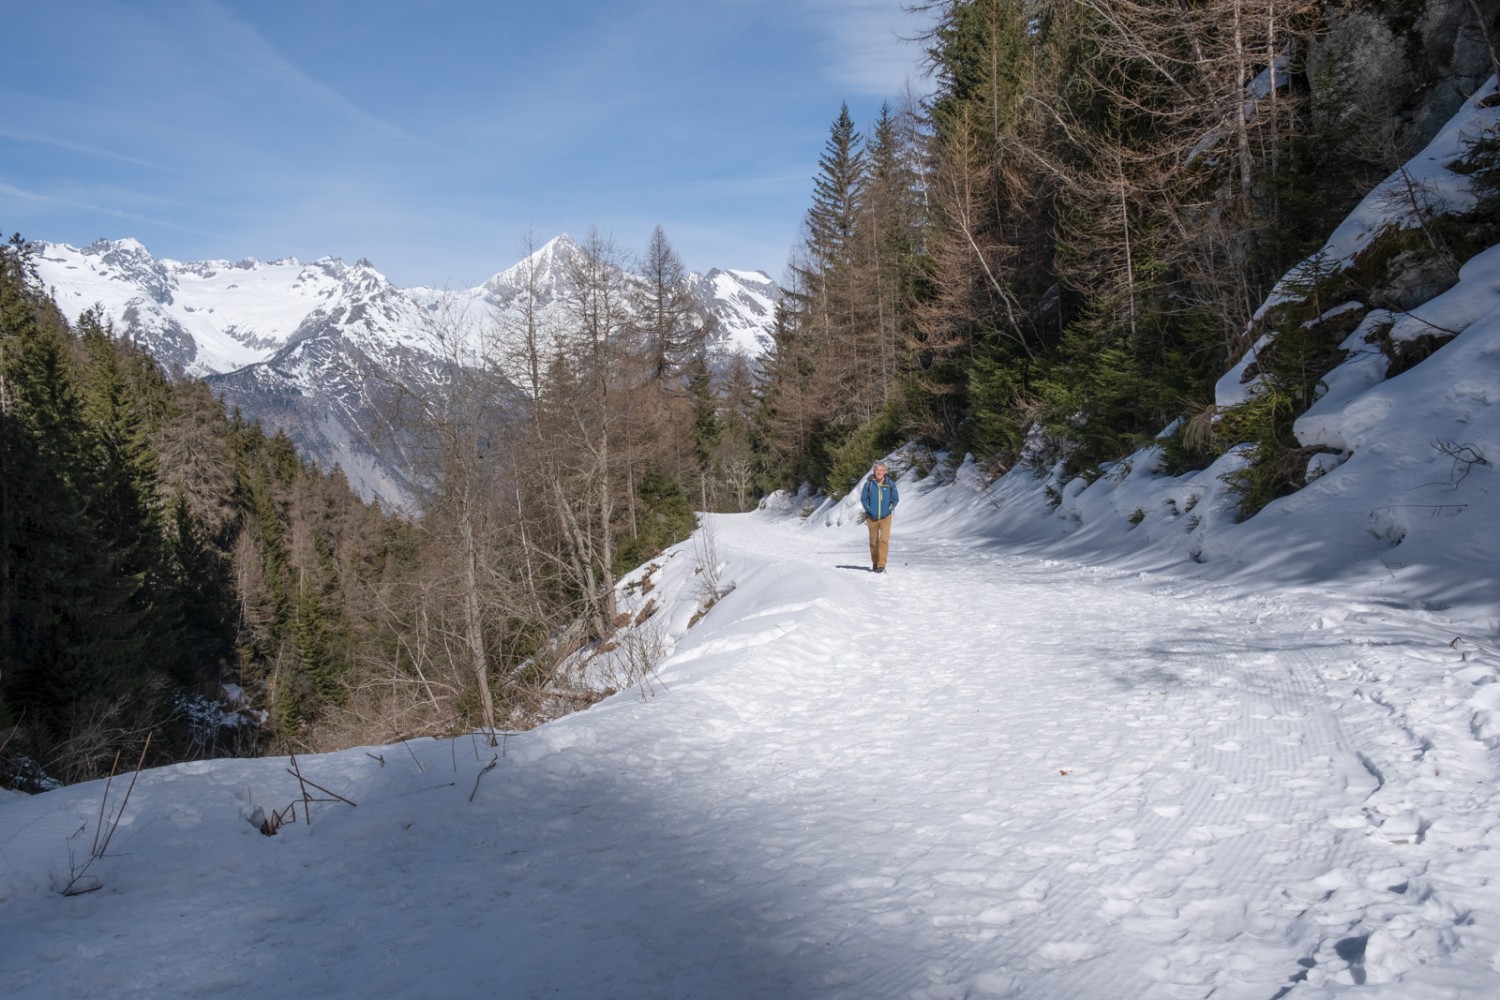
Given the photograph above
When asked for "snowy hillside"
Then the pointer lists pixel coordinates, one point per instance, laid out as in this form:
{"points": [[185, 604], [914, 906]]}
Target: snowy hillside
{"points": [[983, 774], [743, 305], [1402, 500], [207, 317]]}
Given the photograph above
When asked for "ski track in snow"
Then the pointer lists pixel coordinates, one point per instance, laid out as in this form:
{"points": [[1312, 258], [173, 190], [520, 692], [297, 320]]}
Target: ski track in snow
{"points": [[979, 775]]}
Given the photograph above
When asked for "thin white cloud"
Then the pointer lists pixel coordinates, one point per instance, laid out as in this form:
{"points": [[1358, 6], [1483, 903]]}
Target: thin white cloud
{"points": [[59, 201], [34, 138], [252, 46]]}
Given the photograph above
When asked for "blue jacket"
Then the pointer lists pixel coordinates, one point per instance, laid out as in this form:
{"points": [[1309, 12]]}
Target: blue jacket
{"points": [[879, 500]]}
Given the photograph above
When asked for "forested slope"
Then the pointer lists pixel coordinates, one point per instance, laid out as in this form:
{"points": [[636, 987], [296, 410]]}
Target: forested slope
{"points": [[1060, 251]]}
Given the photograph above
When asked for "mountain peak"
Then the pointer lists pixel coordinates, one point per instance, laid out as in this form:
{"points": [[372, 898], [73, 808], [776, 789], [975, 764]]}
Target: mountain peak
{"points": [[128, 244], [544, 268]]}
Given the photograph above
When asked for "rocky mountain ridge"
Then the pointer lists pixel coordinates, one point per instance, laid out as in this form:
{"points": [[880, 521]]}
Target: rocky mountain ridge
{"points": [[308, 347]]}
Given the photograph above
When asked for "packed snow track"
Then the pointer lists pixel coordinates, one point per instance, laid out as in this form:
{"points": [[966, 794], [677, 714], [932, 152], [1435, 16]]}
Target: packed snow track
{"points": [[980, 774]]}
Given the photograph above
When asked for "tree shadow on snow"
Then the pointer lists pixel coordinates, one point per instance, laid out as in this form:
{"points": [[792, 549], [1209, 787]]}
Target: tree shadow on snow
{"points": [[578, 877]]}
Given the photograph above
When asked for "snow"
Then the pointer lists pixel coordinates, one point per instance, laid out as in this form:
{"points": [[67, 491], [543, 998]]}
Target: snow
{"points": [[748, 277], [237, 314], [744, 303], [991, 772]]}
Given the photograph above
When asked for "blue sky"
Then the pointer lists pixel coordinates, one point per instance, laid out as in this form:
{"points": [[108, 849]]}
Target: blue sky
{"points": [[431, 136]]}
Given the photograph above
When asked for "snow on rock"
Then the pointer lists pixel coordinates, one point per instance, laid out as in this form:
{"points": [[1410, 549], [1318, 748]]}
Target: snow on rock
{"points": [[1400, 495], [1424, 184]]}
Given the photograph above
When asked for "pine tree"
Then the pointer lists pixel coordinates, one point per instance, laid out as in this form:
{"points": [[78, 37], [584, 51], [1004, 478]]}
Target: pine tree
{"points": [[734, 457], [892, 239], [981, 322], [789, 416], [707, 430], [836, 351], [834, 214]]}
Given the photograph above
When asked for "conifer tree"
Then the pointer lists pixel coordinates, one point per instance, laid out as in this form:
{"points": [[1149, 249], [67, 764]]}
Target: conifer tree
{"points": [[734, 457], [790, 417], [73, 648], [892, 238], [833, 353], [834, 214], [124, 495], [672, 331]]}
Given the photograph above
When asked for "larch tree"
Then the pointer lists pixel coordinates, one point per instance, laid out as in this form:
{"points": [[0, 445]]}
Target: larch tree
{"points": [[461, 424], [589, 389]]}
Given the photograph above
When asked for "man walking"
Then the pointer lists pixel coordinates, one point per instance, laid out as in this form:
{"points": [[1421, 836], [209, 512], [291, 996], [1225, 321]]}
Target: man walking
{"points": [[879, 499]]}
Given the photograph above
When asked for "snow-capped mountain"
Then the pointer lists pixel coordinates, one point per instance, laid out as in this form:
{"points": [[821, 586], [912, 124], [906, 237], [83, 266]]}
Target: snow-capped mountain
{"points": [[744, 305], [309, 348]]}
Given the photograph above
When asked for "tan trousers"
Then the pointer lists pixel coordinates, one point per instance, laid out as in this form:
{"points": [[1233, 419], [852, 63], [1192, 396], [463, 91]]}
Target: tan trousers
{"points": [[880, 540]]}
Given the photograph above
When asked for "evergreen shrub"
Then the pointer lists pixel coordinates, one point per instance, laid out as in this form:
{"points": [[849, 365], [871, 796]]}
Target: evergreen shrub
{"points": [[664, 517], [851, 459]]}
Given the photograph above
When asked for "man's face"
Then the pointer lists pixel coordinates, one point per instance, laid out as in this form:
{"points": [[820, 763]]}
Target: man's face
{"points": [[879, 473]]}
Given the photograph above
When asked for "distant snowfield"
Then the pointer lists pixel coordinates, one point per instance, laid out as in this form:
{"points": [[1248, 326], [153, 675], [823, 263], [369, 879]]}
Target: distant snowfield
{"points": [[984, 774]]}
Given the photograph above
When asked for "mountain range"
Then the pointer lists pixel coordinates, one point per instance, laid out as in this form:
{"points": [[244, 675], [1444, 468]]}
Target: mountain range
{"points": [[309, 347]]}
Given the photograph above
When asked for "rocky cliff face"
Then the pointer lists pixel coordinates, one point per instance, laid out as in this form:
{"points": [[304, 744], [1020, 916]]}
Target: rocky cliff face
{"points": [[1399, 71]]}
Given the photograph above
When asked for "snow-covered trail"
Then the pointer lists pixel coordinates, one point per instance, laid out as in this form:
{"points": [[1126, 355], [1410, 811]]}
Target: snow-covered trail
{"points": [[1080, 786], [978, 775]]}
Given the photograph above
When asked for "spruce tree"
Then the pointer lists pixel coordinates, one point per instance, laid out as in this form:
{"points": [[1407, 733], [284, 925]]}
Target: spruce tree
{"points": [[122, 499], [834, 214]]}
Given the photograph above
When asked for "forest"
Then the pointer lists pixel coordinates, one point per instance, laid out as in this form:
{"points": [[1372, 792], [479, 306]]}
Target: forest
{"points": [[1046, 261]]}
